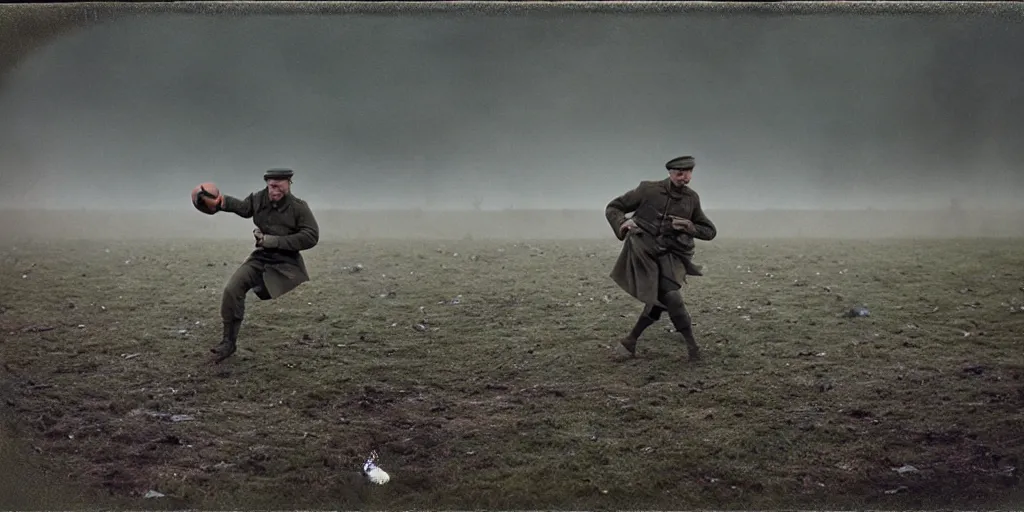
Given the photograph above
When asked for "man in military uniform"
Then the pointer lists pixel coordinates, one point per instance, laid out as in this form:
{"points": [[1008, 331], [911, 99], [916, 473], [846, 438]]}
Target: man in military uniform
{"points": [[285, 225], [658, 246]]}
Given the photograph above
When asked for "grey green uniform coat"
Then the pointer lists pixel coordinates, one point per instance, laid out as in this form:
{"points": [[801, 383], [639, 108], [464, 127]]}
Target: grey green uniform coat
{"points": [[288, 227], [654, 257]]}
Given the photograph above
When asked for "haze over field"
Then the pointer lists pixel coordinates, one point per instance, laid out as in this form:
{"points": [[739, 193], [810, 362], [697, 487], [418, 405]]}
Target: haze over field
{"points": [[533, 111], [458, 165]]}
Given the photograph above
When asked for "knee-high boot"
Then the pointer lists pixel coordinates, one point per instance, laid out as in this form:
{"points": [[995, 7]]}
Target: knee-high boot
{"points": [[650, 315], [683, 324], [228, 344]]}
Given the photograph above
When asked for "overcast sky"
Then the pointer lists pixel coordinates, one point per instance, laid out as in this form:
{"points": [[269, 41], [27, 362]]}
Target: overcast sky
{"points": [[526, 111]]}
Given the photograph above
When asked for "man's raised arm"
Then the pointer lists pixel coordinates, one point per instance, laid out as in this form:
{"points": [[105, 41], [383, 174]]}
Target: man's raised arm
{"points": [[242, 207]]}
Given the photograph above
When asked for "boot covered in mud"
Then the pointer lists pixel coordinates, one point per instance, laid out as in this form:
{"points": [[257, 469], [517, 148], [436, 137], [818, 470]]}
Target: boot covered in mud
{"points": [[228, 344], [629, 341], [685, 327], [692, 349]]}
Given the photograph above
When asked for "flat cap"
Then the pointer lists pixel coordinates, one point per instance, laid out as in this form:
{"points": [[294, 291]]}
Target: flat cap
{"points": [[681, 163], [278, 174]]}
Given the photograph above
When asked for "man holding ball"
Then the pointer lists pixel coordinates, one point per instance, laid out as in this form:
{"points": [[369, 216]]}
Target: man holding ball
{"points": [[285, 225]]}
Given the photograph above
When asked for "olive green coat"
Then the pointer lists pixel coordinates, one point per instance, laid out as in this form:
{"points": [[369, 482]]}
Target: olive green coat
{"points": [[656, 251], [288, 227]]}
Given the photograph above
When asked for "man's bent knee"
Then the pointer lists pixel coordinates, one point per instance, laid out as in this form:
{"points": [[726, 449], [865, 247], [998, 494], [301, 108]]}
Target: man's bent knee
{"points": [[233, 297], [673, 301], [232, 304]]}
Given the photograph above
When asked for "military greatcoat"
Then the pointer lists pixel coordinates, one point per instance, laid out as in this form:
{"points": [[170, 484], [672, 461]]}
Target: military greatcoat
{"points": [[656, 256], [288, 227]]}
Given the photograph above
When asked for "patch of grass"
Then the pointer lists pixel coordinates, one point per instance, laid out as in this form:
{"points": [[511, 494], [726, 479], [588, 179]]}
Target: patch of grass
{"points": [[485, 374]]}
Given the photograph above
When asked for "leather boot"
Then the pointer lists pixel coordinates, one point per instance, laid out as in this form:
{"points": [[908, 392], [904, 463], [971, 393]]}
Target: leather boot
{"points": [[227, 345], [684, 326], [629, 341]]}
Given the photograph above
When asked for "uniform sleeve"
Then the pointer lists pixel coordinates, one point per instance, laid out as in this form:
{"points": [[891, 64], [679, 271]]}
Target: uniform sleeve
{"points": [[306, 237], [706, 229], [242, 207], [617, 209]]}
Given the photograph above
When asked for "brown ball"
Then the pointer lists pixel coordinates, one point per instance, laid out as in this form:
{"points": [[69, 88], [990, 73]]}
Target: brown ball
{"points": [[205, 198]]}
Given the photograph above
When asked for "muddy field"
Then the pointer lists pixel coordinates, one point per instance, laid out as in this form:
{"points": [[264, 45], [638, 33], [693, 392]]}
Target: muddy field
{"points": [[485, 375]]}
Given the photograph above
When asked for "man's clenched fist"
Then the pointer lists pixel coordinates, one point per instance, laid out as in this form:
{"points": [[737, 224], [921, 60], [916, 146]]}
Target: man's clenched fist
{"points": [[684, 225], [259, 237], [627, 226]]}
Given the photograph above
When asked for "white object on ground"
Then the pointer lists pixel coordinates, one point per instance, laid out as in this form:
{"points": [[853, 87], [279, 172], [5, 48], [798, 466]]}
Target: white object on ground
{"points": [[373, 472]]}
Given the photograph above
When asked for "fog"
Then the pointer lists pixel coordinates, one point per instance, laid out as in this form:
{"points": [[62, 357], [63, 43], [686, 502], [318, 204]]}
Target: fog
{"points": [[449, 111]]}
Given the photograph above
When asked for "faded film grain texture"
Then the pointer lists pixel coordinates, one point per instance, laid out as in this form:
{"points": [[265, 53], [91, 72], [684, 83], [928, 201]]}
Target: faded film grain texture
{"points": [[859, 312]]}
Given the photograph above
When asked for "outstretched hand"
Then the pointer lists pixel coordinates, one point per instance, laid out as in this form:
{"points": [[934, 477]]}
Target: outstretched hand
{"points": [[203, 194]]}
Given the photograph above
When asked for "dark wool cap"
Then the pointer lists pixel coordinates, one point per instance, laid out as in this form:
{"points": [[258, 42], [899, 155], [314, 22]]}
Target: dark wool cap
{"points": [[681, 163], [278, 174]]}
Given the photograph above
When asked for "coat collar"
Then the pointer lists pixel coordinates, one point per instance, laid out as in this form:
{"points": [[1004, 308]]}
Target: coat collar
{"points": [[672, 190]]}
